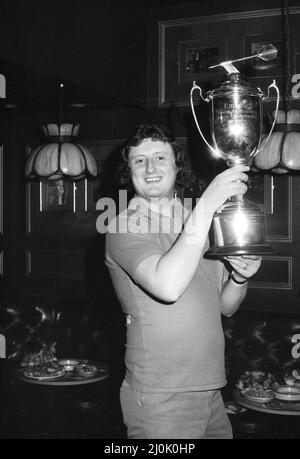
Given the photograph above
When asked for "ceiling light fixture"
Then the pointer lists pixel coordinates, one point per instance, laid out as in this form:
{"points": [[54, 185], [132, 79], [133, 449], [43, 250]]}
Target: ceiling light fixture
{"points": [[61, 155]]}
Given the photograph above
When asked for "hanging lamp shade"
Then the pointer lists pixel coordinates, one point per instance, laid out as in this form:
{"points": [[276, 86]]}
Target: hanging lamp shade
{"points": [[61, 155], [282, 152]]}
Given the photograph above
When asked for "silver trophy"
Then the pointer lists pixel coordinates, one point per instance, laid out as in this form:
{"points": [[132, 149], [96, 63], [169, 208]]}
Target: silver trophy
{"points": [[236, 121]]}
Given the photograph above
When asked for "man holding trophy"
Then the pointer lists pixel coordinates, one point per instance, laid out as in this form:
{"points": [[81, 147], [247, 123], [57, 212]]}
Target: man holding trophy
{"points": [[172, 295], [172, 286]]}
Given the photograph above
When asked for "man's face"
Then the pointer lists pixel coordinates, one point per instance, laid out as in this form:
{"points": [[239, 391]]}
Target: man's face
{"points": [[153, 169]]}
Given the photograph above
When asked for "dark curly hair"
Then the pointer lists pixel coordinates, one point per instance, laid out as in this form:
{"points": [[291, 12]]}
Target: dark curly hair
{"points": [[156, 133]]}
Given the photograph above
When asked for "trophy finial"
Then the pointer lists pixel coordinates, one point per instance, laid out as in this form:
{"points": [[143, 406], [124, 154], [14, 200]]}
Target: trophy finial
{"points": [[229, 67]]}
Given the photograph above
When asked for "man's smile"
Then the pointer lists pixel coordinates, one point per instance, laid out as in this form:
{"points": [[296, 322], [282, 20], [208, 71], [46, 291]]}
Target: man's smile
{"points": [[152, 179]]}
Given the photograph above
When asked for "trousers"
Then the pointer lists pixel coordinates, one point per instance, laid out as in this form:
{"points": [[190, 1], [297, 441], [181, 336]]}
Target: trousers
{"points": [[180, 415]]}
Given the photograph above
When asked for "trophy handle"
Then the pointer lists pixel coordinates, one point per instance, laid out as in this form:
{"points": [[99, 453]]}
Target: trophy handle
{"points": [[194, 87], [273, 85]]}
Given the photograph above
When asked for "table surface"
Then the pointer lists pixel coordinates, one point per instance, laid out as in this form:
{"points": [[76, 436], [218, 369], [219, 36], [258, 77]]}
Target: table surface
{"points": [[70, 378], [82, 410], [274, 407]]}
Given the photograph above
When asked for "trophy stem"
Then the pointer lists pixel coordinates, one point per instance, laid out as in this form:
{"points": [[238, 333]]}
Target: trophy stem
{"points": [[239, 198], [240, 162]]}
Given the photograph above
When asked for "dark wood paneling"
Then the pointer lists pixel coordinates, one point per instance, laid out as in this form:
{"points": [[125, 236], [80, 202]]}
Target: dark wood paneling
{"points": [[55, 264], [275, 273]]}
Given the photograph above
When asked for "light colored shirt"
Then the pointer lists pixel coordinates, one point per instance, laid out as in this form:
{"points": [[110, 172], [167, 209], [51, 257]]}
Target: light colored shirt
{"points": [[171, 347]]}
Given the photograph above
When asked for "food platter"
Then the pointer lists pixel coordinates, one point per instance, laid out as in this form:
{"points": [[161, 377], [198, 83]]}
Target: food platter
{"points": [[64, 372], [43, 375], [275, 406], [288, 393]]}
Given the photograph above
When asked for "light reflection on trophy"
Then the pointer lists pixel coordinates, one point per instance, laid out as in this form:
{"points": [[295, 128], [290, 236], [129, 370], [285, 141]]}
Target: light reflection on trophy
{"points": [[236, 121]]}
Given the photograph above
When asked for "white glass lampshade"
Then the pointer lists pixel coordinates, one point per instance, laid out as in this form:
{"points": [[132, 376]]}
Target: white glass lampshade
{"points": [[282, 152], [61, 155]]}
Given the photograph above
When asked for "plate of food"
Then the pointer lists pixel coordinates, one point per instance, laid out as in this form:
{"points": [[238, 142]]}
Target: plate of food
{"points": [[46, 371], [86, 369], [288, 393], [257, 386], [256, 380], [41, 365]]}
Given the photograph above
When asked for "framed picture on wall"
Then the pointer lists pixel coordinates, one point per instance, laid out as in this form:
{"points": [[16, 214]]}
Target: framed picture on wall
{"points": [[263, 72], [189, 46], [196, 57], [58, 195]]}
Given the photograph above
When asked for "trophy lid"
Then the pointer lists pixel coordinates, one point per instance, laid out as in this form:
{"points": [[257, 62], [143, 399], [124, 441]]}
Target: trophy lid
{"points": [[235, 82]]}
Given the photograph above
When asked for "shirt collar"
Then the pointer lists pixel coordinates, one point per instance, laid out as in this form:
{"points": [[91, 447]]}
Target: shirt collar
{"points": [[171, 209]]}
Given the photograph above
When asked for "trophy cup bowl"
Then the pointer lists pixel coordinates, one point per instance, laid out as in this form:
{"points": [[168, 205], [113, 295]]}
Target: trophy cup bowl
{"points": [[236, 120]]}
